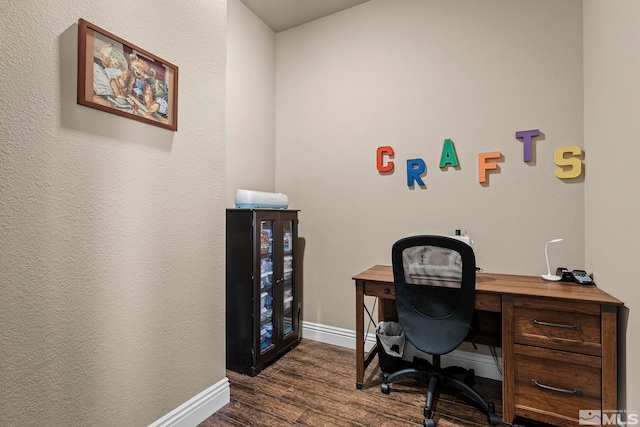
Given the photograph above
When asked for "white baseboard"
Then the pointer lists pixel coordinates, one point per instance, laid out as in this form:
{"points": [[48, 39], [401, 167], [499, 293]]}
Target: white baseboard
{"points": [[483, 364], [336, 336], [198, 408]]}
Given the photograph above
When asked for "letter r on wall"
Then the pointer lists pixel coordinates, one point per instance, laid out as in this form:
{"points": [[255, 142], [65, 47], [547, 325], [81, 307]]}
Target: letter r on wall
{"points": [[415, 167]]}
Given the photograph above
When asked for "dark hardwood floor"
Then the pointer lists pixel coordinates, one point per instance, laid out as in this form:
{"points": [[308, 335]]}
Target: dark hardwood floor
{"points": [[314, 385]]}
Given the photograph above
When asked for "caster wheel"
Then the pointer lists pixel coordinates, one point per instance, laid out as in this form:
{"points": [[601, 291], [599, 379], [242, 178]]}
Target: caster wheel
{"points": [[385, 388], [493, 419], [428, 422]]}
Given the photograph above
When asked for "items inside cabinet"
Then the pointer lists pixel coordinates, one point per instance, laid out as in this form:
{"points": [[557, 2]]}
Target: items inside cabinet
{"points": [[266, 285]]}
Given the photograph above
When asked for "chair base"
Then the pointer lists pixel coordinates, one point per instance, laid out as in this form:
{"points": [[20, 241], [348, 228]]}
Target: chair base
{"points": [[445, 377]]}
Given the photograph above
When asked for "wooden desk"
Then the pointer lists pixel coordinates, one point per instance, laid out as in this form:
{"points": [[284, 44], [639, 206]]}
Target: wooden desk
{"points": [[554, 334]]}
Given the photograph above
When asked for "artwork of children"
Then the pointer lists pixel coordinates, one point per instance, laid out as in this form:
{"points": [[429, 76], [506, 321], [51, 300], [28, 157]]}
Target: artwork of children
{"points": [[120, 78]]}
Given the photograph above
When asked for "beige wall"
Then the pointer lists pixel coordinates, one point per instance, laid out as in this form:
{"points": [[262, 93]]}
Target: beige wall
{"points": [[612, 132], [411, 74], [111, 237], [251, 97], [111, 230]]}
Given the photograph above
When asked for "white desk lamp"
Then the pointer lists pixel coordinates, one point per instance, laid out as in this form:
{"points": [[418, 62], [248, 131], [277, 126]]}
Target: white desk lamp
{"points": [[549, 276]]}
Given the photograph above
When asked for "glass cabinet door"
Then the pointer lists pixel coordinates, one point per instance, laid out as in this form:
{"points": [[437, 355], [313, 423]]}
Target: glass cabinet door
{"points": [[288, 285], [266, 286]]}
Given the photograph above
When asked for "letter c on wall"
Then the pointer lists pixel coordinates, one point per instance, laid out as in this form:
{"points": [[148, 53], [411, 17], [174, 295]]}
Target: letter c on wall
{"points": [[380, 153]]}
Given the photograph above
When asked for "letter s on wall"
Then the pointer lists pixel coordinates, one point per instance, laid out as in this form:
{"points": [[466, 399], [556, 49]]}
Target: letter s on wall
{"points": [[570, 167]]}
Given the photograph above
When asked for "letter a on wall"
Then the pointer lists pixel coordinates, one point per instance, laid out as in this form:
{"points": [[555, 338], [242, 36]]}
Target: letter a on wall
{"points": [[448, 156]]}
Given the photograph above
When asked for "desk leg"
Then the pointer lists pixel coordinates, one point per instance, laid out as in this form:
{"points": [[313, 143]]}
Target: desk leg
{"points": [[609, 358], [508, 381], [382, 309], [359, 333]]}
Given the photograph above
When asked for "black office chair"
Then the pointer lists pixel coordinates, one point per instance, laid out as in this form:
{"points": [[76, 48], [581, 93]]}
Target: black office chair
{"points": [[435, 279]]}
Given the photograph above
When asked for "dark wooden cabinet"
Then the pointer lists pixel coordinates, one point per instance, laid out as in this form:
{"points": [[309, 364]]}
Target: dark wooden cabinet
{"points": [[263, 291]]}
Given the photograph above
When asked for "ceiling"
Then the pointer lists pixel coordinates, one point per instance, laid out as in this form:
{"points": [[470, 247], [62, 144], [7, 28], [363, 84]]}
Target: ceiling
{"points": [[281, 15]]}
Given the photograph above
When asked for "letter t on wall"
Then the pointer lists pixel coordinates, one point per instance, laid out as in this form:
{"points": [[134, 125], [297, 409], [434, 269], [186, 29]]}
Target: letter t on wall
{"points": [[526, 139]]}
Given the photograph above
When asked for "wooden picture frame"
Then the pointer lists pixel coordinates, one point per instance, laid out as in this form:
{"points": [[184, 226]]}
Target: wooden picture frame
{"points": [[120, 78]]}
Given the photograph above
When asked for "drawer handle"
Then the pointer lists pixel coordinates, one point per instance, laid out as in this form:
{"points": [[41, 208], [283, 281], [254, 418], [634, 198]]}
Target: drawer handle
{"points": [[575, 391], [555, 325]]}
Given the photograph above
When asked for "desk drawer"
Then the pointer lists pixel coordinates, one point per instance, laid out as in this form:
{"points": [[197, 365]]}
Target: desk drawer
{"points": [[556, 384], [380, 290], [567, 326]]}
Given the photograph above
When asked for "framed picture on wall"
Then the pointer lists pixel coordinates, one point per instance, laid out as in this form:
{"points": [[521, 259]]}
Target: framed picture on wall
{"points": [[120, 78]]}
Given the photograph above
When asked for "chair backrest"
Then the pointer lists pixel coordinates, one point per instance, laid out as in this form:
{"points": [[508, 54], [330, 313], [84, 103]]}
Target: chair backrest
{"points": [[434, 278]]}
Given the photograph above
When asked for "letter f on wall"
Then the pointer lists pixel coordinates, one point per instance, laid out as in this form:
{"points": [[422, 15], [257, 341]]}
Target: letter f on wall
{"points": [[484, 166]]}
